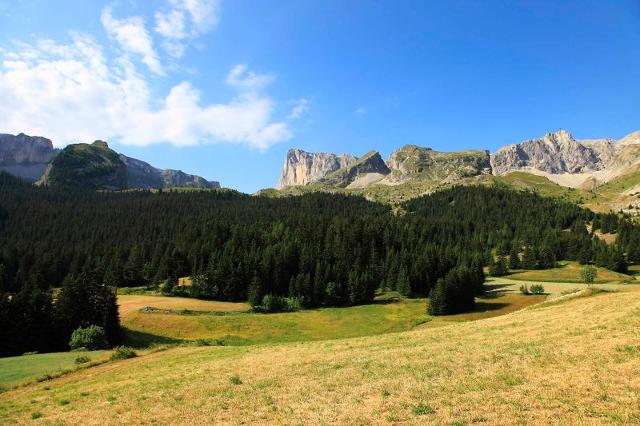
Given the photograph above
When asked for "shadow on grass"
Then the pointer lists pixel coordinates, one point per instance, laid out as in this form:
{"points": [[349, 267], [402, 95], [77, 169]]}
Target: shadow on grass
{"points": [[140, 340], [482, 306]]}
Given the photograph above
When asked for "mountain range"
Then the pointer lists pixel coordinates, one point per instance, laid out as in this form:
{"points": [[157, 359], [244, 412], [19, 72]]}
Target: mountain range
{"points": [[93, 166], [596, 171]]}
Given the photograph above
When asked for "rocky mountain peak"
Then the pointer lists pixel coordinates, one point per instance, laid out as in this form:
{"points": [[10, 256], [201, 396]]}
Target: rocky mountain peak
{"points": [[302, 167]]}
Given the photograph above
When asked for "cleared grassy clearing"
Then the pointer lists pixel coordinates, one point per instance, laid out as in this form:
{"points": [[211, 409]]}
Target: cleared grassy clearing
{"points": [[571, 363], [568, 272], [19, 369], [555, 289], [130, 304], [390, 314], [251, 328]]}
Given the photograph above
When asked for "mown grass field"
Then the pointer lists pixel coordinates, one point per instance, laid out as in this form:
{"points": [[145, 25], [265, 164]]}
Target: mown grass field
{"points": [[19, 369], [575, 362], [569, 272], [220, 322]]}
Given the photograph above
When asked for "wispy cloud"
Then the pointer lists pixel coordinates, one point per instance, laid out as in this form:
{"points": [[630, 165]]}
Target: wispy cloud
{"points": [[181, 20], [300, 108], [133, 38]]}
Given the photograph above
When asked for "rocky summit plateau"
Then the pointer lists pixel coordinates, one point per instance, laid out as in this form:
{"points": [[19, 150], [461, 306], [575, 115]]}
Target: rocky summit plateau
{"points": [[94, 166]]}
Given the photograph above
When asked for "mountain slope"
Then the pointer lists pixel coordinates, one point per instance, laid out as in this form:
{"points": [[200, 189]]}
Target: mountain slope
{"points": [[144, 176], [541, 365], [364, 171]]}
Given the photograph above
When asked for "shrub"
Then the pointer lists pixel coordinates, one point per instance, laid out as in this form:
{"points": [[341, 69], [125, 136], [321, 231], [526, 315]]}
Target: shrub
{"points": [[82, 359], [537, 289], [524, 289], [235, 380], [92, 338], [273, 303], [36, 415], [123, 352]]}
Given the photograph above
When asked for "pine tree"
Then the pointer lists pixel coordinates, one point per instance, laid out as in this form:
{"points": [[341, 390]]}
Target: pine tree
{"points": [[514, 257], [402, 282]]}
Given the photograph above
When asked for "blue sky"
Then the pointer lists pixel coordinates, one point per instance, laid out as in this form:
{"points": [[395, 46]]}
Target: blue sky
{"points": [[223, 88]]}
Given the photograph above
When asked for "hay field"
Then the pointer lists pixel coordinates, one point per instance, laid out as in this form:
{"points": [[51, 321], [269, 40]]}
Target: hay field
{"points": [[577, 361]]}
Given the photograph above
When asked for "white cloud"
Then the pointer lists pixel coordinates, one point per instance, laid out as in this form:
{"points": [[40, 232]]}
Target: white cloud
{"points": [[133, 37], [72, 93], [300, 107], [185, 19], [360, 111], [248, 81]]}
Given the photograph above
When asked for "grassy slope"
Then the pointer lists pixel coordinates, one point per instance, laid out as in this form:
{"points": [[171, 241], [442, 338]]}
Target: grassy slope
{"points": [[244, 328], [18, 369], [569, 272], [572, 362]]}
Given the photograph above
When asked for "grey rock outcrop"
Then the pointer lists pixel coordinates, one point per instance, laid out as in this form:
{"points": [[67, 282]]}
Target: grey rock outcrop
{"points": [[143, 175], [25, 156], [302, 167], [554, 153], [369, 164]]}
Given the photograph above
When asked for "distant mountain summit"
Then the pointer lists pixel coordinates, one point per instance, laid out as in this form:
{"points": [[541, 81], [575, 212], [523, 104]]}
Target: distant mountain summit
{"points": [[95, 165], [557, 159], [570, 162]]}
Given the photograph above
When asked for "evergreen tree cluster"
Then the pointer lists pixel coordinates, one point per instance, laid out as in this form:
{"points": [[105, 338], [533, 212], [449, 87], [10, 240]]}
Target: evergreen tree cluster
{"points": [[318, 249]]}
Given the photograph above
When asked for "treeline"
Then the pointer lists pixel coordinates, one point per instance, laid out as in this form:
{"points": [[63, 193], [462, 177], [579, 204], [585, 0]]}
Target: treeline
{"points": [[319, 249], [33, 319]]}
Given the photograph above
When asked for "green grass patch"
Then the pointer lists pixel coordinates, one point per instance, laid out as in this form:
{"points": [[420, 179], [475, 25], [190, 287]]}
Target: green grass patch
{"points": [[569, 272], [20, 369], [389, 314]]}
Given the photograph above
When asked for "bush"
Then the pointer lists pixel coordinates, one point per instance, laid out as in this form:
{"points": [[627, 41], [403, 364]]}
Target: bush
{"points": [[524, 289], [91, 338], [122, 352], [235, 380], [82, 359], [272, 303], [537, 289]]}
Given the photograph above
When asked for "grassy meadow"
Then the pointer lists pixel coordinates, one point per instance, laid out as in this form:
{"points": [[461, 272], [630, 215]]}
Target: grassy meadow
{"points": [[17, 370], [574, 362], [568, 272]]}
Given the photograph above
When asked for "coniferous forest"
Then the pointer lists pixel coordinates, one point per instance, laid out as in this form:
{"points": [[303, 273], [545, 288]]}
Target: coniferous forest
{"points": [[64, 252]]}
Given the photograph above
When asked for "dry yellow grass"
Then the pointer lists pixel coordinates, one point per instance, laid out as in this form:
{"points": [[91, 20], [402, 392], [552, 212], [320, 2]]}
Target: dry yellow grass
{"points": [[569, 272], [130, 304], [575, 362]]}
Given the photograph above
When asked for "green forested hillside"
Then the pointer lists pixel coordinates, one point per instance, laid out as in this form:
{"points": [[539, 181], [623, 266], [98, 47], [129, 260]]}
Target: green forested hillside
{"points": [[316, 250]]}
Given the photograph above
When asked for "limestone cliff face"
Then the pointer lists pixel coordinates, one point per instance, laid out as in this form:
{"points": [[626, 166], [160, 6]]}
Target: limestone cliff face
{"points": [[554, 153], [25, 156], [570, 162], [301, 167]]}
